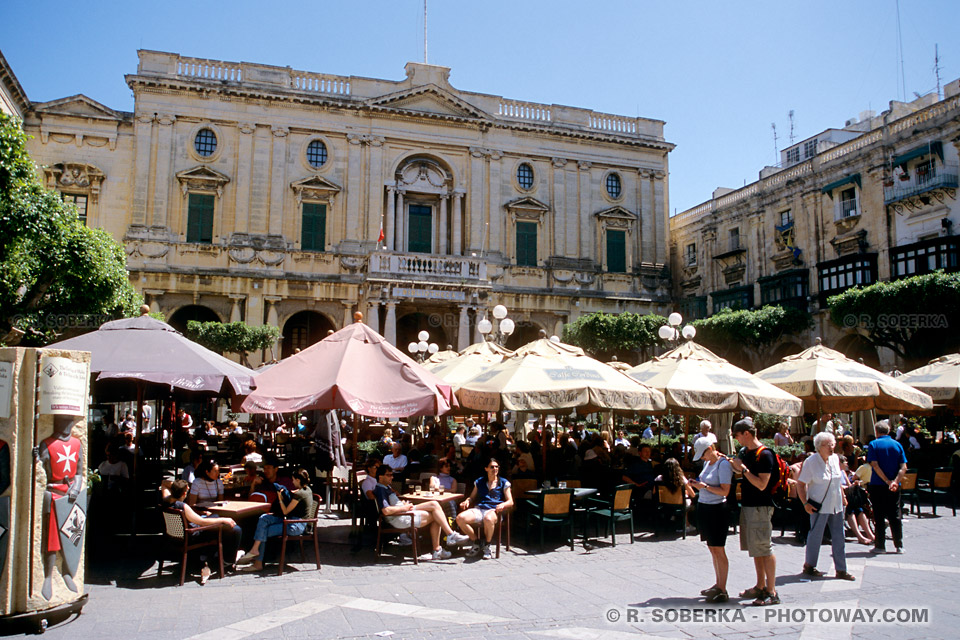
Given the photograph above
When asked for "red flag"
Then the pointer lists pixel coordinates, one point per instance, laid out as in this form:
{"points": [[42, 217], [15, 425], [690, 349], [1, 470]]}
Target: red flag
{"points": [[381, 236]]}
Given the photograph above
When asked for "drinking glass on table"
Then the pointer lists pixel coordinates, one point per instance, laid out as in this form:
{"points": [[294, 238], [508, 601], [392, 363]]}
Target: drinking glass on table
{"points": [[562, 484]]}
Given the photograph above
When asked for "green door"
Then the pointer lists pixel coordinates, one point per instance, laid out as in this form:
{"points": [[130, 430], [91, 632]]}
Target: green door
{"points": [[616, 251], [419, 235]]}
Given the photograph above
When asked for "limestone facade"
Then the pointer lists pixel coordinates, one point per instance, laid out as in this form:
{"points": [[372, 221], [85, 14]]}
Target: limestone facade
{"points": [[875, 200], [250, 192], [13, 100]]}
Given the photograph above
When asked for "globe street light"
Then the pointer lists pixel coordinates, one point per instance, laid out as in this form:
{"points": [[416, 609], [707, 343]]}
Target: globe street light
{"points": [[421, 348], [670, 332], [505, 326]]}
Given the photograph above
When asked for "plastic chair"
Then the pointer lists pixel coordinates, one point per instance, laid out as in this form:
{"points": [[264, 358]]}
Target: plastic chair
{"points": [[310, 533], [177, 533]]}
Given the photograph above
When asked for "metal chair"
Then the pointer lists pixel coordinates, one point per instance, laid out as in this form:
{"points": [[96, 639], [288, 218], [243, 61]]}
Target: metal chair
{"points": [[671, 503], [908, 490], [310, 533], [177, 534], [383, 527], [554, 508], [940, 486], [615, 509]]}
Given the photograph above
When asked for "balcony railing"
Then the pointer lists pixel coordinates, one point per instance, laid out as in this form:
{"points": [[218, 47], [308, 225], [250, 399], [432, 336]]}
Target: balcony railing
{"points": [[416, 265], [944, 177]]}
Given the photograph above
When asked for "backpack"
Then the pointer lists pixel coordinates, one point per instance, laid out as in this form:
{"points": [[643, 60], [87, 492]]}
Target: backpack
{"points": [[779, 490]]}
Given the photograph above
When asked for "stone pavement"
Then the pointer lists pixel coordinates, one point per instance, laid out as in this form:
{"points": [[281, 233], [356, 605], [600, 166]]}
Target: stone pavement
{"points": [[636, 590]]}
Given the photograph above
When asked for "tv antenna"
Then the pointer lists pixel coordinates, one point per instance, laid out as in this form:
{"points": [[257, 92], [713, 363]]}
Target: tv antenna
{"points": [[792, 136], [903, 83], [776, 152], [424, 31], [936, 66]]}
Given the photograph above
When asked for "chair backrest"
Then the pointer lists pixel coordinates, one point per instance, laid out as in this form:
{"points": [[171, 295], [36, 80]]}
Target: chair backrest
{"points": [[573, 484], [466, 450], [521, 486], [669, 497], [909, 480], [557, 502], [942, 478], [621, 497], [256, 496], [173, 523]]}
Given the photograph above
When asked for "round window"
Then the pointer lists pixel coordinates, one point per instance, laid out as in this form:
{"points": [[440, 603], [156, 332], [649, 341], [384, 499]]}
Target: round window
{"points": [[316, 154], [613, 185], [205, 143], [525, 176]]}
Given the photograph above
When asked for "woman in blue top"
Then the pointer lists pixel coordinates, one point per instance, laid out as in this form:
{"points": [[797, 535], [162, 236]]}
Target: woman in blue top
{"points": [[490, 496], [714, 485]]}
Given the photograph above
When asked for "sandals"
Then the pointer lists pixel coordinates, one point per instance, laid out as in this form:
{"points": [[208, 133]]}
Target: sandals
{"points": [[718, 597], [754, 592], [768, 600], [712, 591], [810, 570]]}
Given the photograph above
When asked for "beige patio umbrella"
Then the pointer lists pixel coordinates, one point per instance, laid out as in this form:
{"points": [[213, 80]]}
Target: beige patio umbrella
{"points": [[940, 379], [619, 366], [441, 356], [829, 381], [546, 376], [468, 363]]}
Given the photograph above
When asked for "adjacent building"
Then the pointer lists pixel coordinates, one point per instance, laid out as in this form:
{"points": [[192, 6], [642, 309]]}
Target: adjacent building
{"points": [[872, 201], [251, 192]]}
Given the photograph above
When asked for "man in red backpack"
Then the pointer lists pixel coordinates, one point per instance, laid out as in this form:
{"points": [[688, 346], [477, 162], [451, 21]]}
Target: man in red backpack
{"points": [[760, 474]]}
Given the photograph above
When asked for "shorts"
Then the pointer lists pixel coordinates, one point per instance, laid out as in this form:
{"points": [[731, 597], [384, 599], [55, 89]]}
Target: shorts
{"points": [[712, 523], [475, 515], [403, 521], [756, 531]]}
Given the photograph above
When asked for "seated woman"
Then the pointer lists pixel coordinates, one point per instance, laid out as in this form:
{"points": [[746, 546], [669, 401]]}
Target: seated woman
{"points": [[446, 480], [173, 497], [491, 495], [207, 487], [673, 479], [250, 452], [298, 505], [857, 500]]}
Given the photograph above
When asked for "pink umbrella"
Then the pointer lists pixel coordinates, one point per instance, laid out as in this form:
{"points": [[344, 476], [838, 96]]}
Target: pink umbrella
{"points": [[354, 369]]}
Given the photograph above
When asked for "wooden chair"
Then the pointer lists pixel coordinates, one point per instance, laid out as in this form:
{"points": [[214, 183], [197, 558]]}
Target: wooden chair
{"points": [[671, 503], [940, 486], [383, 527], [614, 509], [554, 508], [339, 479], [498, 531], [177, 534], [310, 533], [908, 490], [573, 483]]}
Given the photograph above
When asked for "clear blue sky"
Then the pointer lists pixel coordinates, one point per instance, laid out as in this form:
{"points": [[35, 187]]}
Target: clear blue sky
{"points": [[718, 73]]}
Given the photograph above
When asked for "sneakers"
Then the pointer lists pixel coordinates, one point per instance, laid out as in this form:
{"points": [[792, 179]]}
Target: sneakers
{"points": [[456, 539], [475, 549], [404, 540], [440, 554], [487, 552]]}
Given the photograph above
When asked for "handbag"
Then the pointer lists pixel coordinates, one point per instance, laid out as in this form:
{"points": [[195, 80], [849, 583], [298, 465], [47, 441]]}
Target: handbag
{"points": [[818, 504]]}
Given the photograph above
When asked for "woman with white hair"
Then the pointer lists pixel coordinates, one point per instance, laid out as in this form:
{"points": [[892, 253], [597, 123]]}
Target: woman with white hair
{"points": [[820, 489]]}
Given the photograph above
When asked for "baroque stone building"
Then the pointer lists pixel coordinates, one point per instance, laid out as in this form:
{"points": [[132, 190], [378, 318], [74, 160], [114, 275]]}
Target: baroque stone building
{"points": [[872, 201], [259, 193]]}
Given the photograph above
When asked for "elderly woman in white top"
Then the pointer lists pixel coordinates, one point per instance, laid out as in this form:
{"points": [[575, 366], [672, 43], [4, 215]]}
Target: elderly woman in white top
{"points": [[820, 489]]}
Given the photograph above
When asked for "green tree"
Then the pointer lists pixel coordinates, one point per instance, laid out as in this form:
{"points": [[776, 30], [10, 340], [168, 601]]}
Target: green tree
{"points": [[233, 337], [744, 336], [606, 335], [55, 272], [915, 317]]}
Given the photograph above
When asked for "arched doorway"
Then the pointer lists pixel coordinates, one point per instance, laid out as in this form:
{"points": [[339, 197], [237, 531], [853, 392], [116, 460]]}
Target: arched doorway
{"points": [[523, 333], [303, 329], [197, 312], [855, 347], [410, 325], [423, 221]]}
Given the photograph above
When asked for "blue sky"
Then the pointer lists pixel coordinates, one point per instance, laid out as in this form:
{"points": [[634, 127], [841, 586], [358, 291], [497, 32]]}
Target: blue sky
{"points": [[718, 73]]}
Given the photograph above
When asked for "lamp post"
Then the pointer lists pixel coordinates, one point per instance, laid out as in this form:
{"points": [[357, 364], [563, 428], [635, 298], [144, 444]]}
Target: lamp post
{"points": [[419, 349], [670, 333], [503, 330]]}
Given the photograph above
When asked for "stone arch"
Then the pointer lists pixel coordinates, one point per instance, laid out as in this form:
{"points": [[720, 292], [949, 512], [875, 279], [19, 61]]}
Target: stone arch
{"points": [[779, 352], [403, 161], [303, 329], [409, 325], [855, 346], [524, 331], [179, 318]]}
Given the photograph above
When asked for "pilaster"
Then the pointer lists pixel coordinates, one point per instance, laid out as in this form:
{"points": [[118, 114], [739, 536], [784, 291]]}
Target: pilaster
{"points": [[241, 222], [164, 161], [278, 183], [143, 134]]}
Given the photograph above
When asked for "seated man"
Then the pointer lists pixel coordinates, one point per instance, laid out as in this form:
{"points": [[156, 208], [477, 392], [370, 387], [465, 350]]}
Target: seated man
{"points": [[640, 473], [426, 513], [491, 495], [269, 477], [396, 460]]}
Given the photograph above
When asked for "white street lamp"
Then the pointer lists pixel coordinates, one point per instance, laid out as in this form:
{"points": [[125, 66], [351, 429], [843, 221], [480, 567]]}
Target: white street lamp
{"points": [[484, 326], [499, 312], [507, 326], [423, 336]]}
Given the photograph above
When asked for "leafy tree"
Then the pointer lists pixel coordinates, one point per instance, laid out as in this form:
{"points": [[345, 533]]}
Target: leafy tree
{"points": [[55, 272], [233, 337], [917, 317], [606, 335], [745, 335]]}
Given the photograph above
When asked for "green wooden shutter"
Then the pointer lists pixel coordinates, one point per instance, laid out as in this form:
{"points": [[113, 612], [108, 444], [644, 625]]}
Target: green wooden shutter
{"points": [[200, 218], [527, 244], [616, 251], [313, 234], [419, 235]]}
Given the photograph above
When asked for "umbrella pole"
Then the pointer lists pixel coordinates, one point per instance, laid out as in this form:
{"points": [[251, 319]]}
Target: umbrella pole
{"points": [[353, 438], [136, 454]]}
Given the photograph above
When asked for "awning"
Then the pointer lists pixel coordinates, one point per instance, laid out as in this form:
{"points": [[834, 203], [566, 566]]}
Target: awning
{"points": [[855, 178], [935, 147]]}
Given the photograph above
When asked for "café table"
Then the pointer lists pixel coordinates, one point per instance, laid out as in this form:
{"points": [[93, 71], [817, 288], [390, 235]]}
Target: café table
{"points": [[235, 508], [426, 496]]}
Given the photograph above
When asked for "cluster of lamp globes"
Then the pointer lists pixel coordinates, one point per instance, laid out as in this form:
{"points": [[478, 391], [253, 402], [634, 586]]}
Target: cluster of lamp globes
{"points": [[670, 333], [421, 348], [506, 325]]}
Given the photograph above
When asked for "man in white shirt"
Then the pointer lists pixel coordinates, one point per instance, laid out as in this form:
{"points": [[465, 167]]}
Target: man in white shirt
{"points": [[703, 440], [396, 460]]}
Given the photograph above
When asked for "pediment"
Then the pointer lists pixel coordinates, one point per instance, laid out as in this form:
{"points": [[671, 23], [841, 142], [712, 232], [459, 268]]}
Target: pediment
{"points": [[429, 99], [315, 188], [616, 213], [78, 105], [527, 203], [202, 178]]}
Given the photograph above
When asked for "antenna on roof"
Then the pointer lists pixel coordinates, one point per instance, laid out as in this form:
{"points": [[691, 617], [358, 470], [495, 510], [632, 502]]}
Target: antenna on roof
{"points": [[903, 84], [936, 66], [776, 152], [792, 137], [424, 31]]}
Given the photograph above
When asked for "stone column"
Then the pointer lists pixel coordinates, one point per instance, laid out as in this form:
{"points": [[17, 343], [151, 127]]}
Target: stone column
{"points": [[586, 235], [401, 223], [442, 245], [260, 181], [241, 219], [463, 329], [660, 216], [161, 182], [648, 213], [495, 215], [477, 317], [278, 181], [143, 140], [236, 314], [390, 326], [389, 239], [373, 315], [271, 302], [374, 206], [559, 209], [353, 230], [152, 297], [347, 314], [457, 223], [477, 213]]}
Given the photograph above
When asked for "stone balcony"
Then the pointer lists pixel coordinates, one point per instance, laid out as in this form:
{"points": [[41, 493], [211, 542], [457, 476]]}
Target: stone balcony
{"points": [[422, 266]]}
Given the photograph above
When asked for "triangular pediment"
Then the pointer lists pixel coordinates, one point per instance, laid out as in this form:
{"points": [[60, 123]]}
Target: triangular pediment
{"points": [[78, 105], [530, 204], [429, 99], [617, 213], [316, 183], [203, 173]]}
